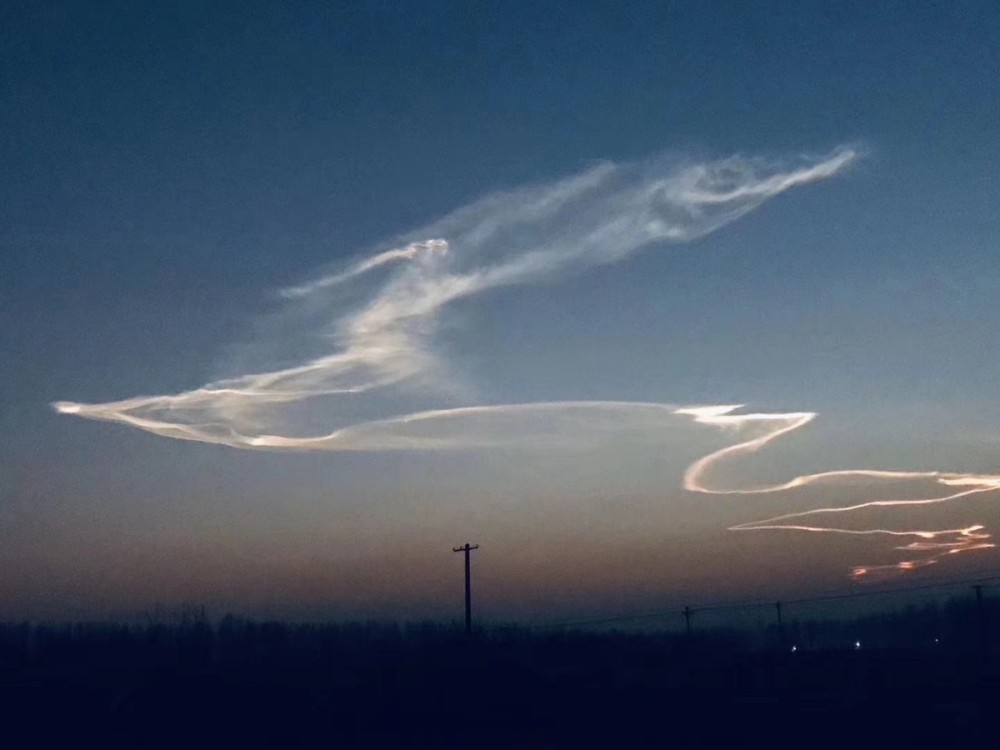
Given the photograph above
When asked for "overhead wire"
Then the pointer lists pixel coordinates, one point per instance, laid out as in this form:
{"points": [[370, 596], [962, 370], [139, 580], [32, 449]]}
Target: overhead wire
{"points": [[730, 606]]}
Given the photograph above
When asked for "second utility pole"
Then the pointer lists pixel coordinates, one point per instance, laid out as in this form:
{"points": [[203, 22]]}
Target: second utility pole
{"points": [[467, 548]]}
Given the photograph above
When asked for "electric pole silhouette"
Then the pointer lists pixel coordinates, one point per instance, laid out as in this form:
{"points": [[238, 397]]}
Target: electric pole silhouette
{"points": [[467, 548]]}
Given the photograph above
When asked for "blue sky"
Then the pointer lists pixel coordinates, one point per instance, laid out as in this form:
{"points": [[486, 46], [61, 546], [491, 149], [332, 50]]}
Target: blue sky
{"points": [[167, 168]]}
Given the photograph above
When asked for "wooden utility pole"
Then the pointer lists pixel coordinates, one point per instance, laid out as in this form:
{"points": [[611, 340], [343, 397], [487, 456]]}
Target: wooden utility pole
{"points": [[467, 548]]}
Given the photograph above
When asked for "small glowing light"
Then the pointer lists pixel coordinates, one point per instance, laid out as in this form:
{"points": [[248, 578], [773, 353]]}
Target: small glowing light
{"points": [[936, 640], [857, 645], [794, 649]]}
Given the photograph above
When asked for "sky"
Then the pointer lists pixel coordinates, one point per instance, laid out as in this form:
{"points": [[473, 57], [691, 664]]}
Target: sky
{"points": [[660, 303]]}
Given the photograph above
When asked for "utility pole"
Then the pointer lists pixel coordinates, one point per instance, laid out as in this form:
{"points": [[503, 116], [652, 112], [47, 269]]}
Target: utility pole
{"points": [[467, 548], [687, 621], [781, 626]]}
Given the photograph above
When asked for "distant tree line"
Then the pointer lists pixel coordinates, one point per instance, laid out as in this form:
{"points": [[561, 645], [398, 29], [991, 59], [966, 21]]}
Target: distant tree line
{"points": [[263, 683]]}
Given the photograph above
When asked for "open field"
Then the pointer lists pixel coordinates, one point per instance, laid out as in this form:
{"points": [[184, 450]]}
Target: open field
{"points": [[247, 684]]}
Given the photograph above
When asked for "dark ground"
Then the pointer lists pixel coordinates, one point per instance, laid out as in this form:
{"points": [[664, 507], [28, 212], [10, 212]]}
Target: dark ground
{"points": [[244, 684]]}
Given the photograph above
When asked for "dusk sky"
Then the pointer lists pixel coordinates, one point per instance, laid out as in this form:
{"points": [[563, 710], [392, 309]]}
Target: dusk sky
{"points": [[660, 303]]}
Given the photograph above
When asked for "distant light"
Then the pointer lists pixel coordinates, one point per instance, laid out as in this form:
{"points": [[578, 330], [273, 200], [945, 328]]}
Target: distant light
{"points": [[857, 645], [794, 649], [937, 640]]}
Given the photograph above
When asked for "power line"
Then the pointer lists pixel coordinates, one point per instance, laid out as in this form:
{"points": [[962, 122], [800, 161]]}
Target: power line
{"points": [[687, 612]]}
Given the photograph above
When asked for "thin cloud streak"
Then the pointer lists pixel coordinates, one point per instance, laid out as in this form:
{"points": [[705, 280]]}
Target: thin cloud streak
{"points": [[937, 542], [385, 345], [599, 216]]}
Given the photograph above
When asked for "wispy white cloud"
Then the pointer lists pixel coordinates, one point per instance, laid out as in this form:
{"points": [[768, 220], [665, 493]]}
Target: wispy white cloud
{"points": [[385, 344], [599, 216]]}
